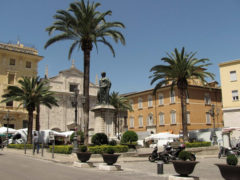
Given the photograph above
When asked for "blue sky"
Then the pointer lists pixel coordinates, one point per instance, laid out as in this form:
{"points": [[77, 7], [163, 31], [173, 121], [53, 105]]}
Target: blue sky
{"points": [[153, 27]]}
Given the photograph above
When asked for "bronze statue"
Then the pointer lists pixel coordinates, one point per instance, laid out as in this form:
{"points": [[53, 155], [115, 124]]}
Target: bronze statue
{"points": [[103, 93]]}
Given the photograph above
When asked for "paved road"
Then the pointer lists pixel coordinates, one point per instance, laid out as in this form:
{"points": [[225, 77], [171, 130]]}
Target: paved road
{"points": [[18, 167]]}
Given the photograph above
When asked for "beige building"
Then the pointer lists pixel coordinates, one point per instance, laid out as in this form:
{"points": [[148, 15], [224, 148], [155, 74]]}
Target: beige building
{"points": [[230, 78], [16, 61], [62, 118]]}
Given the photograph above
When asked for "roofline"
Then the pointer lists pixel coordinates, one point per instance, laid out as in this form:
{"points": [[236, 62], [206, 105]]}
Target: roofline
{"points": [[23, 53], [236, 61]]}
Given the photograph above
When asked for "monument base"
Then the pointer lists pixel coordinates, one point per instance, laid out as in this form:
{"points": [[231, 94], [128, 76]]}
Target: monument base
{"points": [[182, 178]]}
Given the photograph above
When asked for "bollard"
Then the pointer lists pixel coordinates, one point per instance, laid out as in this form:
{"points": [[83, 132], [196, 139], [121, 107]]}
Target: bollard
{"points": [[160, 167]]}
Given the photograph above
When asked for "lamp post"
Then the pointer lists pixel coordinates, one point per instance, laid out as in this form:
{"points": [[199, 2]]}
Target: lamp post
{"points": [[212, 113], [7, 118], [75, 105]]}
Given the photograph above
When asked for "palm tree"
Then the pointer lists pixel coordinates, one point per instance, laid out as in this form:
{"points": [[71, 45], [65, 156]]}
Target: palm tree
{"points": [[181, 67], [85, 26], [30, 93], [121, 104]]}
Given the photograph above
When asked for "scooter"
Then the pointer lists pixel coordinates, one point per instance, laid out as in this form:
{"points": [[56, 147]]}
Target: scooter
{"points": [[174, 152], [162, 156], [227, 151]]}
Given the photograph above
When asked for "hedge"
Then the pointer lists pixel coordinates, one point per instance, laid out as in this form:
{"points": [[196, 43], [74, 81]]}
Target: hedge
{"points": [[198, 144], [62, 149], [20, 146], [104, 148]]}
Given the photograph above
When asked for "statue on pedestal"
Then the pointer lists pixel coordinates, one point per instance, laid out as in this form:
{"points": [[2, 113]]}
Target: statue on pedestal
{"points": [[103, 93]]}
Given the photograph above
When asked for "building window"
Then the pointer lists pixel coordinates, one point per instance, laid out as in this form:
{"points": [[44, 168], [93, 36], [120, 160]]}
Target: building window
{"points": [[28, 64], [24, 124], [208, 118], [173, 117], [172, 97], [187, 97], [150, 120], [161, 118], [149, 101], [131, 122], [188, 117], [140, 103], [160, 99], [207, 99], [11, 78], [12, 62], [72, 87], [9, 125], [9, 104], [233, 76], [140, 121], [235, 95]]}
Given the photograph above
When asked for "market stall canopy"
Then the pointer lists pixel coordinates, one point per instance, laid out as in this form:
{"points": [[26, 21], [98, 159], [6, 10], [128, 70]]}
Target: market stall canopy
{"points": [[162, 136], [3, 130], [230, 129]]}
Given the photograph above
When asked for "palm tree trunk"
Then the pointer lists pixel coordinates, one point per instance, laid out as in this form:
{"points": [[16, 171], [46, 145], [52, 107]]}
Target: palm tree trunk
{"points": [[184, 114], [86, 93], [38, 118], [30, 126]]}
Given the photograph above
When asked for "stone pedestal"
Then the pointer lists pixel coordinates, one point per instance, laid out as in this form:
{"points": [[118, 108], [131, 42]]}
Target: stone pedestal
{"points": [[83, 165], [182, 178], [109, 167], [104, 116]]}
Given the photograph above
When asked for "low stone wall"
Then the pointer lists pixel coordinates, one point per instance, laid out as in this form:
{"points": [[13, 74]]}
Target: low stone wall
{"points": [[211, 150]]}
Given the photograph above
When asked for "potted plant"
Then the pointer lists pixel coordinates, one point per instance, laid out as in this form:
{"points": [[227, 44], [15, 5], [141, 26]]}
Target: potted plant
{"points": [[230, 171], [183, 166], [109, 157], [83, 155]]}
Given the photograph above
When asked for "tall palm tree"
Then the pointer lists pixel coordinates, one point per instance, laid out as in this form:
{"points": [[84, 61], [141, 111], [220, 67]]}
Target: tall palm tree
{"points": [[121, 104], [180, 67], [30, 93], [85, 26]]}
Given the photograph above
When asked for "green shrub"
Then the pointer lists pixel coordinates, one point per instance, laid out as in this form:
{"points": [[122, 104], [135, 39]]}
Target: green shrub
{"points": [[79, 133], [198, 144], [20, 146], [184, 155], [113, 142], [232, 160], [99, 139], [110, 150], [129, 137], [103, 148], [83, 148], [62, 149]]}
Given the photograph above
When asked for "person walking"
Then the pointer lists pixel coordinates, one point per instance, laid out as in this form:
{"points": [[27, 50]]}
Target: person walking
{"points": [[35, 142]]}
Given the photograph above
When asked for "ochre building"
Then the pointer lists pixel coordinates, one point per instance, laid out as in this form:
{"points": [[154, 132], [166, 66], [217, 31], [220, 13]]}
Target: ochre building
{"points": [[162, 112], [16, 61]]}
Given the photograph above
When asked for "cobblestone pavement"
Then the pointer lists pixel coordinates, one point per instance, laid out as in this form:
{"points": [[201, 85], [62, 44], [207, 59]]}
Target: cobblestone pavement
{"points": [[205, 169]]}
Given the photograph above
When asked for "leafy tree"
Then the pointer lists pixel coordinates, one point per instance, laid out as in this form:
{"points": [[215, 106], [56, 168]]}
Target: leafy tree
{"points": [[85, 26], [129, 137], [30, 93], [179, 68], [121, 104], [99, 139]]}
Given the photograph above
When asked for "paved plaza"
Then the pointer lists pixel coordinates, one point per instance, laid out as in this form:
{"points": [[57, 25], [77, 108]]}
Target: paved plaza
{"points": [[139, 166]]}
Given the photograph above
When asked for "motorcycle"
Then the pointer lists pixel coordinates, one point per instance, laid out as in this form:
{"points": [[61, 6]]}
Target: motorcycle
{"points": [[155, 156], [227, 151], [174, 152]]}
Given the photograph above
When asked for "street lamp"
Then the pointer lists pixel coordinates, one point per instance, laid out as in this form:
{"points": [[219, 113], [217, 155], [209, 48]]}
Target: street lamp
{"points": [[75, 104], [7, 118], [212, 113]]}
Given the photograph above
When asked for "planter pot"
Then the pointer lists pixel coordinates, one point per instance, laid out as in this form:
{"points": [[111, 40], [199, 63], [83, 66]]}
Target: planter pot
{"points": [[229, 172], [184, 168], [110, 159], [83, 156]]}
